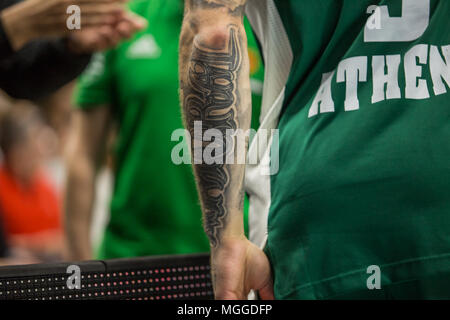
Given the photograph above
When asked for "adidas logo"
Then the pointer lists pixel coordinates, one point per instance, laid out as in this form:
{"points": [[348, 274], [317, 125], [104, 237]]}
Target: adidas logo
{"points": [[144, 48]]}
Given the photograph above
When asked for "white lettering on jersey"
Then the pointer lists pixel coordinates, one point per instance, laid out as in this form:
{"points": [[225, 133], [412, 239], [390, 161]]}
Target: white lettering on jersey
{"points": [[416, 88], [385, 77], [440, 69], [381, 78], [323, 96], [352, 71]]}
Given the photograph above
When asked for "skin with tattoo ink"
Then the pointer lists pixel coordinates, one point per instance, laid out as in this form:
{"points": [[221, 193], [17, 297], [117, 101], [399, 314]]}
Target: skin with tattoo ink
{"points": [[210, 98], [215, 91]]}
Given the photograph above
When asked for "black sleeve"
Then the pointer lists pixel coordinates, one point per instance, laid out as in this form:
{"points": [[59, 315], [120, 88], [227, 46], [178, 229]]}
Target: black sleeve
{"points": [[39, 69]]}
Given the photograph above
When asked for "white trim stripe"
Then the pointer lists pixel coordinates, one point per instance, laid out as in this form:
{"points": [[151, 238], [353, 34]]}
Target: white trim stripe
{"points": [[278, 57]]}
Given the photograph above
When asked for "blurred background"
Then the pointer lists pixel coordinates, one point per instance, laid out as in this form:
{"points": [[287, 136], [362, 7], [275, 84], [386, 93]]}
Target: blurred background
{"points": [[85, 169], [32, 179]]}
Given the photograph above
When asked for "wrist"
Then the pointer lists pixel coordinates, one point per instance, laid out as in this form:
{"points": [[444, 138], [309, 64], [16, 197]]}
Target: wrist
{"points": [[232, 231], [228, 241]]}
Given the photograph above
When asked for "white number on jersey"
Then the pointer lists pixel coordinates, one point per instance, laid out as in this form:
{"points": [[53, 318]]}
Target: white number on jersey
{"points": [[410, 26]]}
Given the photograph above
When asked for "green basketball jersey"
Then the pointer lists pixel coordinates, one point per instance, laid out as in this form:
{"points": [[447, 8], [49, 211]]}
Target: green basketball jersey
{"points": [[360, 206]]}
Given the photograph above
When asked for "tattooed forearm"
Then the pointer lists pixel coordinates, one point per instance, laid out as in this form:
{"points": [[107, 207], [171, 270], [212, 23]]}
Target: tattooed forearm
{"points": [[235, 7], [211, 96]]}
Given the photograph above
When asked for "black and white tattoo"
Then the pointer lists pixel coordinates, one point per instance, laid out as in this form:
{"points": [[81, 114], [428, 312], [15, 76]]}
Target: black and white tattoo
{"points": [[211, 97]]}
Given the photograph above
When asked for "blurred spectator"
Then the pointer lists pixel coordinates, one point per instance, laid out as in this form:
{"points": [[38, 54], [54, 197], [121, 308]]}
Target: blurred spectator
{"points": [[32, 65], [57, 111], [154, 208], [29, 205]]}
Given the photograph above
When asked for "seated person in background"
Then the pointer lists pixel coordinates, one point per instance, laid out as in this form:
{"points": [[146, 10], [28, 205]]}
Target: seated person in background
{"points": [[29, 206]]}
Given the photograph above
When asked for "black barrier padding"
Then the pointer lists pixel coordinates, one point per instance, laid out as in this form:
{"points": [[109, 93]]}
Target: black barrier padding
{"points": [[150, 278], [44, 269]]}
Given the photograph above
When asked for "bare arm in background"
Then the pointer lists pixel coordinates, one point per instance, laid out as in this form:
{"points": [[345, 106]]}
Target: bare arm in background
{"points": [[215, 89], [87, 140], [29, 20]]}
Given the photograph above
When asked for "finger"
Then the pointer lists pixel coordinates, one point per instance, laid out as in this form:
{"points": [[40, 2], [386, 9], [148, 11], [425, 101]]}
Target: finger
{"points": [[60, 21], [125, 29], [137, 22], [227, 295], [113, 39], [80, 2], [106, 38], [228, 285], [102, 9], [98, 20], [266, 293], [97, 8]]}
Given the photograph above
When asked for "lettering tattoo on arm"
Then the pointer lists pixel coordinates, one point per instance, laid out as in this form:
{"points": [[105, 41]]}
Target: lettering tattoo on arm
{"points": [[211, 96]]}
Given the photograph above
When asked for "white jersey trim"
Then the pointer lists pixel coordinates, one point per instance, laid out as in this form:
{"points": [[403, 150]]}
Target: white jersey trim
{"points": [[278, 57]]}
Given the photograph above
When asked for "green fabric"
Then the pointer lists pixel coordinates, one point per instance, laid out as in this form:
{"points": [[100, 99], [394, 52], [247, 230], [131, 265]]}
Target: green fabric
{"points": [[363, 187], [257, 81], [154, 209]]}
